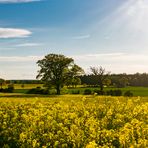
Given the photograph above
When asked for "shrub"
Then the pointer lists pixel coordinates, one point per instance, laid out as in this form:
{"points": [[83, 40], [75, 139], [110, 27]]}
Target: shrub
{"points": [[116, 92], [75, 92], [99, 92], [9, 89], [109, 92], [38, 90], [96, 91], [45, 91], [128, 94], [1, 90], [87, 92]]}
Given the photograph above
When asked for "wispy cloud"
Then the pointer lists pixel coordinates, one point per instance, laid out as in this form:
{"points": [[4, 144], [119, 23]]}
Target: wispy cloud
{"points": [[20, 58], [114, 58], [14, 33], [81, 37], [17, 1], [114, 62], [98, 56], [28, 45], [19, 67], [5, 48]]}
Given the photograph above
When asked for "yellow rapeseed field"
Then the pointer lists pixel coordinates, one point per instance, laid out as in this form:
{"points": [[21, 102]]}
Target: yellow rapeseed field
{"points": [[73, 121]]}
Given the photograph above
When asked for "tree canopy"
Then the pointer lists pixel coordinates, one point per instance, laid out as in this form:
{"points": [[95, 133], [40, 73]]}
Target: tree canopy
{"points": [[100, 74], [2, 81], [55, 69]]}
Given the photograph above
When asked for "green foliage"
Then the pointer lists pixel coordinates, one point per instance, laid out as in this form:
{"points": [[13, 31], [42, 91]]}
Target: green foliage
{"points": [[99, 92], [75, 91], [2, 82], [38, 90], [87, 91], [128, 93], [56, 69], [116, 92], [9, 89], [22, 86], [73, 82], [27, 86], [122, 82], [100, 76], [119, 80], [73, 121]]}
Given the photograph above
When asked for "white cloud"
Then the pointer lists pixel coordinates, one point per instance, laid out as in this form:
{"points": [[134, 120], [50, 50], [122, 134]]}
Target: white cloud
{"points": [[81, 37], [114, 58], [91, 57], [114, 62], [20, 58], [24, 67], [14, 33], [18, 1], [19, 67], [28, 45], [6, 48]]}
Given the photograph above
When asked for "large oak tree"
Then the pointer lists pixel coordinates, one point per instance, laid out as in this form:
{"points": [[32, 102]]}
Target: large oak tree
{"points": [[55, 69]]}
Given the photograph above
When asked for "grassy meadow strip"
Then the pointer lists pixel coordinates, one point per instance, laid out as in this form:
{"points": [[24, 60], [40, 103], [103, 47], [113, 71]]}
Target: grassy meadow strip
{"points": [[73, 121]]}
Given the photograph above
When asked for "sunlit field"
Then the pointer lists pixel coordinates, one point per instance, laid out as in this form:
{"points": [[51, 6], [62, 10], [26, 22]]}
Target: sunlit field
{"points": [[25, 86], [137, 91], [73, 74], [74, 121]]}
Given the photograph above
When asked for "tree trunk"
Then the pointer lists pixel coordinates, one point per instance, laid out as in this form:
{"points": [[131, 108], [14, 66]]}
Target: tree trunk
{"points": [[1, 86], [101, 87], [58, 90]]}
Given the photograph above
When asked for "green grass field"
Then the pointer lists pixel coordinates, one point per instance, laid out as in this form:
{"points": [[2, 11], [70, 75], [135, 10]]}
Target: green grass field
{"points": [[76, 121], [19, 89], [27, 86], [137, 91]]}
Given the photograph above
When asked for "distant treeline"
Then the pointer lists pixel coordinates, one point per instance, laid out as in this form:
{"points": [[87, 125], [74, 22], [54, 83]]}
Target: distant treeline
{"points": [[24, 81], [118, 80]]}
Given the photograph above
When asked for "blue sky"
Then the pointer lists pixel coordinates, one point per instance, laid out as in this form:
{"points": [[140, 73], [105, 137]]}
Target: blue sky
{"points": [[110, 33]]}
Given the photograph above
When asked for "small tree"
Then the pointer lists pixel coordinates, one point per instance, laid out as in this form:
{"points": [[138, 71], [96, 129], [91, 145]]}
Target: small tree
{"points": [[22, 86], [73, 74], [100, 75], [2, 82], [76, 81], [55, 69], [107, 82]]}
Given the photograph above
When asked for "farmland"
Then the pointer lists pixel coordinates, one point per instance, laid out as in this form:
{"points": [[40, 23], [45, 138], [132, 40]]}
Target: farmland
{"points": [[73, 74], [137, 91], [73, 121]]}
